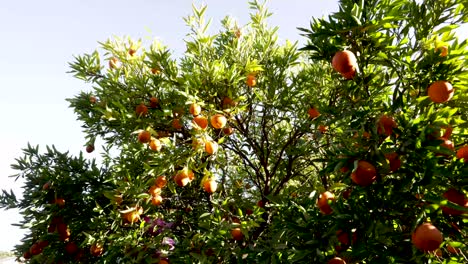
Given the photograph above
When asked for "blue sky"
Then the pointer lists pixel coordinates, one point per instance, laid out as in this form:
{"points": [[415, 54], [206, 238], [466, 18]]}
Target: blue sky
{"points": [[39, 39]]}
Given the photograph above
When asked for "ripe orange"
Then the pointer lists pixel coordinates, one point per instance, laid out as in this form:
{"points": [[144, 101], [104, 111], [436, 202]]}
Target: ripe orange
{"points": [[236, 234], [96, 250], [322, 129], [443, 50], [60, 202], [132, 216], [65, 235], [114, 63], [385, 125], [462, 153], [131, 51], [228, 102], [89, 148], [427, 237], [155, 70], [195, 109], [322, 202], [365, 174], [251, 80], [141, 110], [155, 144], [92, 99], [336, 260], [183, 177], [211, 147], [176, 124], [228, 131], [154, 102], [161, 181], [163, 261], [313, 113], [455, 197], [345, 63], [144, 136], [154, 190], [394, 160], [210, 186], [35, 249], [218, 121], [200, 121], [156, 200], [440, 91], [46, 186], [71, 248]]}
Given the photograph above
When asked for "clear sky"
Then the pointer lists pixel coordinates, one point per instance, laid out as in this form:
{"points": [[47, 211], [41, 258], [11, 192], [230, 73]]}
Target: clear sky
{"points": [[39, 39]]}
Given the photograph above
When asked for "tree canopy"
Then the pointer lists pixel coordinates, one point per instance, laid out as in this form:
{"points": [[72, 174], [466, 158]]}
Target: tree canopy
{"points": [[246, 150]]}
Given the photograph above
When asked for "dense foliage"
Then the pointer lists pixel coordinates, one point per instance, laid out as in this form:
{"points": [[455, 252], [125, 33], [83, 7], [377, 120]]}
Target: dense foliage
{"points": [[247, 150]]}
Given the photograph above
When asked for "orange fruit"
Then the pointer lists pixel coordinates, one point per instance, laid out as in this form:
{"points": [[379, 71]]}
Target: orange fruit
{"points": [[427, 237], [462, 153], [155, 144], [455, 197], [345, 63], [161, 181], [211, 147], [251, 80], [154, 190], [218, 121], [65, 235], [156, 200], [60, 202], [27, 255], [442, 50], [200, 122], [163, 261], [131, 51], [90, 148], [114, 63], [228, 102], [365, 174], [385, 125], [394, 160], [228, 131], [35, 249], [440, 91], [96, 250], [210, 186], [71, 248], [322, 202], [176, 124], [154, 102], [183, 177], [236, 234], [322, 129], [313, 113], [336, 260], [144, 136], [155, 70], [195, 109], [132, 216], [92, 99]]}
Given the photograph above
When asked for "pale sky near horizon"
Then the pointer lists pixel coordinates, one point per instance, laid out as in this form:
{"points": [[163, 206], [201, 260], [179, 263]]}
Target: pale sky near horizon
{"points": [[39, 39]]}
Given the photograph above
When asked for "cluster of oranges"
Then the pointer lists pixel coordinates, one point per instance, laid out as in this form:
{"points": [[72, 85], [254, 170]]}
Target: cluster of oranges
{"points": [[156, 189], [425, 237]]}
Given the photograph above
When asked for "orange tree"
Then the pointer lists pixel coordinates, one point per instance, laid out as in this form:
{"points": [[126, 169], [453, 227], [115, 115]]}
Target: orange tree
{"points": [[245, 150]]}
